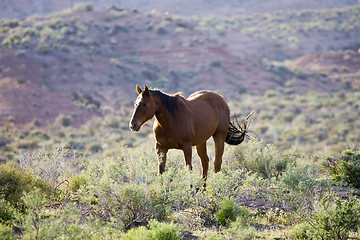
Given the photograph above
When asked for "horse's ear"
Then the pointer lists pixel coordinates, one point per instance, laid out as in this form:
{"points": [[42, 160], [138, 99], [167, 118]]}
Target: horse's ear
{"points": [[138, 89], [146, 90]]}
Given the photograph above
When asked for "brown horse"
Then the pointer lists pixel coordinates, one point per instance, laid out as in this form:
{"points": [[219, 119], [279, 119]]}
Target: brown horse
{"points": [[182, 123]]}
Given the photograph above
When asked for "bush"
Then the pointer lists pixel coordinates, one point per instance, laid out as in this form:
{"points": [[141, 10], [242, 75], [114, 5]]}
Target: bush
{"points": [[132, 204], [240, 231], [43, 47], [161, 30], [94, 148], [301, 179], [157, 231], [7, 213], [15, 181], [345, 167], [77, 182], [64, 121], [333, 219], [6, 233], [83, 7], [301, 231], [107, 17], [165, 231], [301, 187], [140, 233], [266, 161], [229, 211], [237, 218], [32, 219]]}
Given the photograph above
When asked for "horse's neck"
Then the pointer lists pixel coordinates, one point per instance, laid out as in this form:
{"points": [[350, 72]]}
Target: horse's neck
{"points": [[164, 118]]}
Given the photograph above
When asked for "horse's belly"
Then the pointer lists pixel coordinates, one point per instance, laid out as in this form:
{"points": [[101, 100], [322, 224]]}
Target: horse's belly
{"points": [[167, 139], [202, 136], [181, 138], [168, 142]]}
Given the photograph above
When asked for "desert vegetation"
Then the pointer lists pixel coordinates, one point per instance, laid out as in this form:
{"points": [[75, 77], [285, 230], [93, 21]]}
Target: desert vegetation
{"points": [[98, 181], [101, 182], [284, 24], [261, 192]]}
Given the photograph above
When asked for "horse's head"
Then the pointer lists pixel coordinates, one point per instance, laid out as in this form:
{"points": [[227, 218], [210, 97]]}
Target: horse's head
{"points": [[144, 109]]}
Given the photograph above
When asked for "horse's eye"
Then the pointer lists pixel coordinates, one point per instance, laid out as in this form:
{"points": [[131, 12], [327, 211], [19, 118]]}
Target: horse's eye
{"points": [[144, 105]]}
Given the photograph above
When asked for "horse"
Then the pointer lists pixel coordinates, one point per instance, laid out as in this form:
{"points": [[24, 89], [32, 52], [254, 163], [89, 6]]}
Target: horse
{"points": [[183, 123]]}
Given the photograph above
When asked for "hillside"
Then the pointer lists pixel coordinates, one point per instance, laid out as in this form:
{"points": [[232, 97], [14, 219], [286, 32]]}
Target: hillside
{"points": [[24, 8]]}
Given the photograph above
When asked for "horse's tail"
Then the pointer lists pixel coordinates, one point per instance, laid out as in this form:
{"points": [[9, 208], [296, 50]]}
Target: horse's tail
{"points": [[235, 135]]}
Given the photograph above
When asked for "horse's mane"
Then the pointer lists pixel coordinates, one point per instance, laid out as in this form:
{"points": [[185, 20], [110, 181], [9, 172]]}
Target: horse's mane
{"points": [[170, 102]]}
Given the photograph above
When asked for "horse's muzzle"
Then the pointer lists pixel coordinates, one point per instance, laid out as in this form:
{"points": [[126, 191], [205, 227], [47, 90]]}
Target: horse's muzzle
{"points": [[134, 127]]}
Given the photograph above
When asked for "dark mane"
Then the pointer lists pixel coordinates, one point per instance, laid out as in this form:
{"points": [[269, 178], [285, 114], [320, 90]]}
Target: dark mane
{"points": [[170, 102]]}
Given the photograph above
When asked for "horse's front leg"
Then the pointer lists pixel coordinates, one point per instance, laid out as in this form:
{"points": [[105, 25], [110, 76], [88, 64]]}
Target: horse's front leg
{"points": [[161, 155], [187, 150]]}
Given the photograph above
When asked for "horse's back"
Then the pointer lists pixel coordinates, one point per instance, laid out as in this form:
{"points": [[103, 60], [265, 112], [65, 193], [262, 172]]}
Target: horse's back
{"points": [[210, 109], [211, 98]]}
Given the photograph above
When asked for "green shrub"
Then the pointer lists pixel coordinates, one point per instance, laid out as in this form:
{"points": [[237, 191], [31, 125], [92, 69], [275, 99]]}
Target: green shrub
{"points": [[237, 218], [132, 204], [140, 233], [15, 181], [43, 47], [39, 222], [301, 231], [77, 182], [229, 211], [345, 167], [107, 17], [7, 213], [161, 30], [156, 231], [337, 219], [112, 122], [301, 187], [216, 64], [34, 201], [266, 161], [94, 148], [239, 230], [28, 143], [6, 233], [83, 7], [64, 120], [164, 231], [300, 179], [334, 219], [6, 134]]}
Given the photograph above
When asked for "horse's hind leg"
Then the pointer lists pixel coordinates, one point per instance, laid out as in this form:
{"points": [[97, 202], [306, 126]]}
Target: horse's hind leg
{"points": [[219, 140], [201, 151], [187, 150]]}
